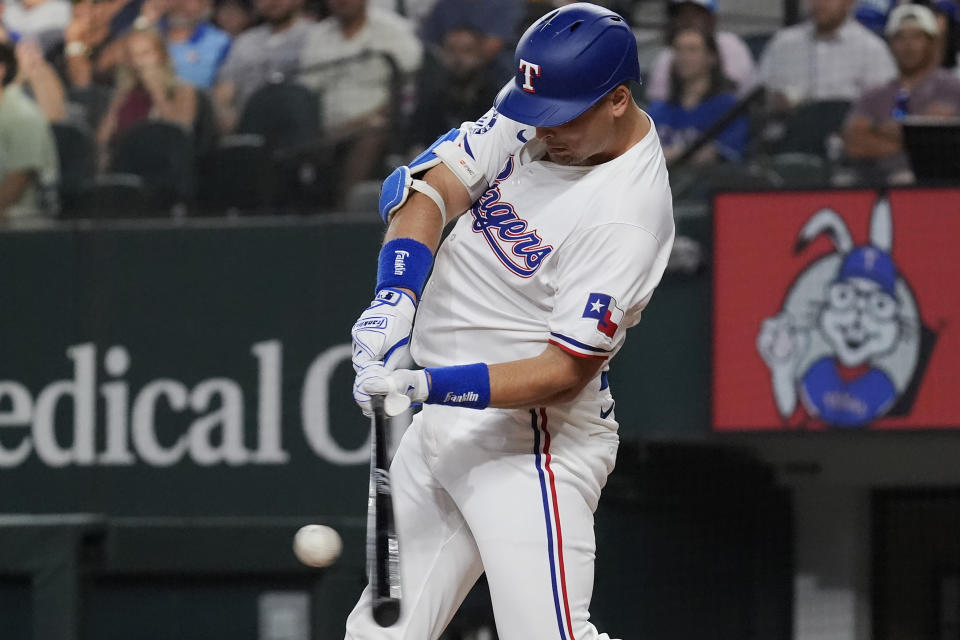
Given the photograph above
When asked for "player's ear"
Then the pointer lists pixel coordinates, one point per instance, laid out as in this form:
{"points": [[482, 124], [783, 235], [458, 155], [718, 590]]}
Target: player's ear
{"points": [[620, 99]]}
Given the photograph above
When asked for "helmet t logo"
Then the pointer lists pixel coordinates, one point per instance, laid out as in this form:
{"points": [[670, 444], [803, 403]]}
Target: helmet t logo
{"points": [[529, 71]]}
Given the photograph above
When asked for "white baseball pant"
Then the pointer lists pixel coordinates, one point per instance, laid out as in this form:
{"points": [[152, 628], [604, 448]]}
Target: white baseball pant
{"points": [[511, 493]]}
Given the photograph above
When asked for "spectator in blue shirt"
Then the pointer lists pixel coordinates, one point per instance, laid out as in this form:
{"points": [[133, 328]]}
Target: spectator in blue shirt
{"points": [[699, 95], [196, 46]]}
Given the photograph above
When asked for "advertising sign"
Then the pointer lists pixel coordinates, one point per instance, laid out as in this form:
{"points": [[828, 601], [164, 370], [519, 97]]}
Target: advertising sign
{"points": [[199, 370], [836, 310]]}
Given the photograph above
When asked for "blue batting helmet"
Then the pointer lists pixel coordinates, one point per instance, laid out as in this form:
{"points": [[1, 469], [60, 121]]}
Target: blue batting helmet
{"points": [[566, 62]]}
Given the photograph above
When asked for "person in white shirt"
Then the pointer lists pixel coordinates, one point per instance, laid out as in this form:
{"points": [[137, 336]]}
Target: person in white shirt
{"points": [[354, 59], [564, 225], [415, 10], [344, 57], [829, 57], [736, 61], [269, 52]]}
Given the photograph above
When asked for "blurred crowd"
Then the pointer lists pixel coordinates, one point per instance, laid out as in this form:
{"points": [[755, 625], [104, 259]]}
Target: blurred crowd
{"points": [[128, 107]]}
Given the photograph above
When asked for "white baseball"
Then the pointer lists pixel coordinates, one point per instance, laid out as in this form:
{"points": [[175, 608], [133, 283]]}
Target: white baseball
{"points": [[317, 545]]}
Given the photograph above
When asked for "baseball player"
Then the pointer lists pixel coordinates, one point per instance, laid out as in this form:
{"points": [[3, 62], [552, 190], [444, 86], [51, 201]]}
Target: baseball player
{"points": [[565, 230]]}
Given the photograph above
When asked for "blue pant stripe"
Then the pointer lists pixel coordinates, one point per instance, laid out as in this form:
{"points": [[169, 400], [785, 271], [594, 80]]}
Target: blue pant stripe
{"points": [[546, 517]]}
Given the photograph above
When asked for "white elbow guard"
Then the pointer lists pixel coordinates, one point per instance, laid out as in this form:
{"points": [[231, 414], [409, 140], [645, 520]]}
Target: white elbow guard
{"points": [[452, 150]]}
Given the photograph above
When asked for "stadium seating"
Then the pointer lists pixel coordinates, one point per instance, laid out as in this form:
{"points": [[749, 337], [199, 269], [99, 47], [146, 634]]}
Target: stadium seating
{"points": [[161, 153]]}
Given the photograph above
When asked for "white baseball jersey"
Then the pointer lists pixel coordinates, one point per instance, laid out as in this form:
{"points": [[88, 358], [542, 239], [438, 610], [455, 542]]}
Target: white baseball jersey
{"points": [[563, 254]]}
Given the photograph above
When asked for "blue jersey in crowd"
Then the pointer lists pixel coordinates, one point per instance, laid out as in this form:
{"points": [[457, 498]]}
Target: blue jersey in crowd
{"points": [[677, 125], [197, 60]]}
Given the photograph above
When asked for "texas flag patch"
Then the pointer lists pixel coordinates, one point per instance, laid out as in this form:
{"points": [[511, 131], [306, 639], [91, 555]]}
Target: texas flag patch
{"points": [[604, 309]]}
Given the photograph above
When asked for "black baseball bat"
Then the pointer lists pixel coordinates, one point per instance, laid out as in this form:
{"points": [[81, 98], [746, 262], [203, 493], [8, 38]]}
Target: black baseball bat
{"points": [[383, 549]]}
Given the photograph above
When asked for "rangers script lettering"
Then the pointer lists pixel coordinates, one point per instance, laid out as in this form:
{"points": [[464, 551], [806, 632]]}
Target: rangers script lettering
{"points": [[506, 232]]}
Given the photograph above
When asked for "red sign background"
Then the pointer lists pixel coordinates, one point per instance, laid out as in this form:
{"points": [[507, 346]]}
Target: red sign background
{"points": [[755, 266]]}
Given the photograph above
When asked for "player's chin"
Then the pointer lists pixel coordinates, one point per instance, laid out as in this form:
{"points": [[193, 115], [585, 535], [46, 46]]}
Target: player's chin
{"points": [[561, 156]]}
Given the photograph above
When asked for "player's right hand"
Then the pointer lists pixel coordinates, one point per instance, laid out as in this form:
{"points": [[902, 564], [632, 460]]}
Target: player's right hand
{"points": [[382, 333], [400, 388]]}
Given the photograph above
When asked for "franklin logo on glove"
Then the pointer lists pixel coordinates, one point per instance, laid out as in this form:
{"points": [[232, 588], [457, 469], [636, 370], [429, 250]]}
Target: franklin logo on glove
{"points": [[371, 323]]}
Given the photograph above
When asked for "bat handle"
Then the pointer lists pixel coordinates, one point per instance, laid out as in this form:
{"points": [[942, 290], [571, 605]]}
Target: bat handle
{"points": [[380, 444], [376, 403]]}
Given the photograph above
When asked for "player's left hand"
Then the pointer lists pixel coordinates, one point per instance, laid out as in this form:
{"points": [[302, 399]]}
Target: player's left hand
{"points": [[382, 333], [400, 388]]}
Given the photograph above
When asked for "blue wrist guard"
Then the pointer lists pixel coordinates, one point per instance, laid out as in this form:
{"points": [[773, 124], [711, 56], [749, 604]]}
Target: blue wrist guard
{"points": [[404, 263], [466, 385]]}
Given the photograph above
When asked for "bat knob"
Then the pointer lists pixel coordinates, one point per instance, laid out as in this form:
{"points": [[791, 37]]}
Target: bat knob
{"points": [[387, 612], [395, 403]]}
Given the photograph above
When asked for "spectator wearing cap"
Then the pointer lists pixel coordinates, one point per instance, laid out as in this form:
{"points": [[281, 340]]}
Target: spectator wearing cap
{"points": [[735, 58], [873, 133], [699, 95], [828, 57], [28, 156], [269, 52]]}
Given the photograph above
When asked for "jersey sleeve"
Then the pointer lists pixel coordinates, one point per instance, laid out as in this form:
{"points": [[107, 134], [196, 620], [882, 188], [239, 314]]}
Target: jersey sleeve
{"points": [[492, 139], [605, 278]]}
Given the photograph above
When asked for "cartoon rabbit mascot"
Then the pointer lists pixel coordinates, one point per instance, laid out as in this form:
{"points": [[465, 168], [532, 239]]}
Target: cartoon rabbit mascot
{"points": [[847, 340]]}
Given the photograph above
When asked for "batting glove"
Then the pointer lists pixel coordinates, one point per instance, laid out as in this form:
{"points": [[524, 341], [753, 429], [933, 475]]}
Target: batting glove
{"points": [[400, 388], [382, 333]]}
